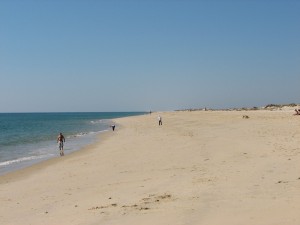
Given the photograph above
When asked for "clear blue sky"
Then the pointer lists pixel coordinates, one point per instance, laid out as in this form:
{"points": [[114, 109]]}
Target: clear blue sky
{"points": [[63, 55]]}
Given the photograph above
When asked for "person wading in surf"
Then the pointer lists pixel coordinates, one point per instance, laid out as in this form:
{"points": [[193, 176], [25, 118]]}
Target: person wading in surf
{"points": [[60, 140]]}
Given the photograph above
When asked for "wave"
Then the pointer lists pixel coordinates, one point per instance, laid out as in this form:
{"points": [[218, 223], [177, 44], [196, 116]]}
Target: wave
{"points": [[81, 134], [96, 121], [23, 159]]}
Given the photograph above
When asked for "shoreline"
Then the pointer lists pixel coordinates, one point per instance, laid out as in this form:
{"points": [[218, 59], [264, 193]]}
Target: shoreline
{"points": [[32, 168], [194, 167], [31, 162], [55, 159], [23, 151]]}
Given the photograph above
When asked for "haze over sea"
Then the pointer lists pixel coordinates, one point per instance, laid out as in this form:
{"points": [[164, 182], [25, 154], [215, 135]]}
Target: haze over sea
{"points": [[28, 138]]}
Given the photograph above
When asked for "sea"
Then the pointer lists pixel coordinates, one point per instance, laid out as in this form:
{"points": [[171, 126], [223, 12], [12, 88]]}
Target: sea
{"points": [[29, 138]]}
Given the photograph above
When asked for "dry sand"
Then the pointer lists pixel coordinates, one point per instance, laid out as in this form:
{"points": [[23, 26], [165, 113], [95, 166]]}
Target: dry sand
{"points": [[202, 168]]}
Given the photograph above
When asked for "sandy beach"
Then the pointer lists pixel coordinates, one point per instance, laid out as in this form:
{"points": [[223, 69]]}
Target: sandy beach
{"points": [[198, 168]]}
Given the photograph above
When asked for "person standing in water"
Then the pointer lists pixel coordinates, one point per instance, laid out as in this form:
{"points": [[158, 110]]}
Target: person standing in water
{"points": [[60, 140]]}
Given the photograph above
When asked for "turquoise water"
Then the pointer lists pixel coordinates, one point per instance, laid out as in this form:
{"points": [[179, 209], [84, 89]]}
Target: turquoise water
{"points": [[28, 138]]}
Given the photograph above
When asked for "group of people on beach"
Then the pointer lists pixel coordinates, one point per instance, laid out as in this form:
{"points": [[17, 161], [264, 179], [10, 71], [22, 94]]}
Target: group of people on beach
{"points": [[297, 112], [61, 139]]}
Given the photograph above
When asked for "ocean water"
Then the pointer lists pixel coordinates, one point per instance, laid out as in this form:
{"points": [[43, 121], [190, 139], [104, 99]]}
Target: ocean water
{"points": [[28, 138]]}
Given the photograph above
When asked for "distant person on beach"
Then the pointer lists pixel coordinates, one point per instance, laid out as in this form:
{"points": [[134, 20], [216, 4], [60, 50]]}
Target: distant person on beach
{"points": [[113, 127], [159, 120], [60, 140], [297, 112]]}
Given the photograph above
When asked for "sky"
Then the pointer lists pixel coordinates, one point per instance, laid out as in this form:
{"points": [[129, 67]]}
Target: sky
{"points": [[130, 55]]}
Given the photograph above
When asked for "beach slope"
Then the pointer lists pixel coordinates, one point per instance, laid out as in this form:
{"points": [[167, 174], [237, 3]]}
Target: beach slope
{"points": [[198, 168]]}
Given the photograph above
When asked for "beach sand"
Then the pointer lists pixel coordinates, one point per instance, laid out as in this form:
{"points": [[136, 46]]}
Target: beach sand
{"points": [[201, 168]]}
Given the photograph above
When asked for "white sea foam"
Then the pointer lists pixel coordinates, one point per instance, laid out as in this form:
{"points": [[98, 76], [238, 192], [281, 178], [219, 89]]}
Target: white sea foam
{"points": [[23, 159], [96, 121], [81, 134]]}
